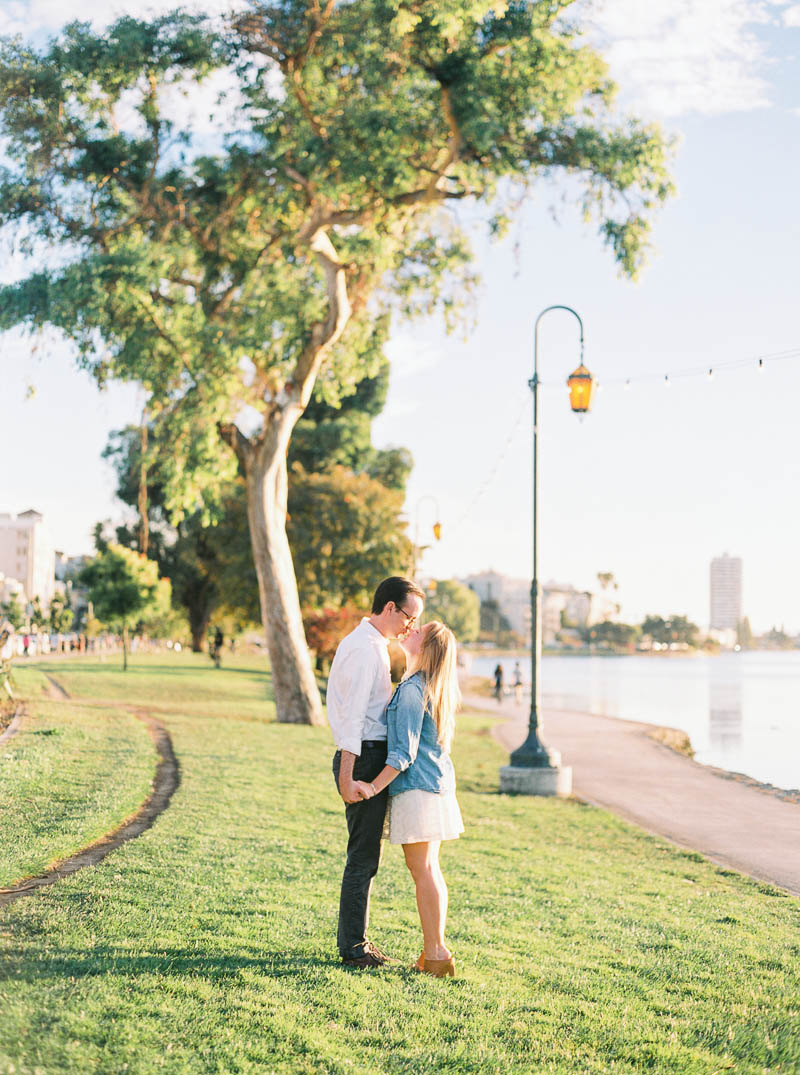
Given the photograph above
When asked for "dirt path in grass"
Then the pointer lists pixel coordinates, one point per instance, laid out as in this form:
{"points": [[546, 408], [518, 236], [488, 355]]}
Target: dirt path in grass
{"points": [[617, 764], [55, 690], [165, 782], [14, 724]]}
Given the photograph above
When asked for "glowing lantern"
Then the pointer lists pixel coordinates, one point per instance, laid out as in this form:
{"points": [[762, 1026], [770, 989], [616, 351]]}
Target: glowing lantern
{"points": [[437, 531], [581, 389]]}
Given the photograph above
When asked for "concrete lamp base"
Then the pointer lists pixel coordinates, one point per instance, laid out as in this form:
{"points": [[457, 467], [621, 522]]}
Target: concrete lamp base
{"points": [[544, 780]]}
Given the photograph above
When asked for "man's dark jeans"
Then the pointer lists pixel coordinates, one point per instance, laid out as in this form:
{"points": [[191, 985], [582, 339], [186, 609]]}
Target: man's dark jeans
{"points": [[365, 826]]}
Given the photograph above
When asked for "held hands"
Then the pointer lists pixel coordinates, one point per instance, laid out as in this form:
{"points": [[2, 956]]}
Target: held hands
{"points": [[357, 790]]}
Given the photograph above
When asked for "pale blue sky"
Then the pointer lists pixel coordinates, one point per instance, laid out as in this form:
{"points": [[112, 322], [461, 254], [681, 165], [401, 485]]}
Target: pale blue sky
{"points": [[655, 481]]}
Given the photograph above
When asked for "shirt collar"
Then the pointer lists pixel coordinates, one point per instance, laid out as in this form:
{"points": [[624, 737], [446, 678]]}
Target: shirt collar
{"points": [[373, 631]]}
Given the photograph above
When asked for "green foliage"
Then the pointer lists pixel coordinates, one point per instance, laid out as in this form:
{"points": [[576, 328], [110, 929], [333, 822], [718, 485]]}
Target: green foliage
{"points": [[38, 615], [125, 589], [606, 579], [60, 615], [611, 633], [494, 626], [340, 435], [777, 638], [211, 566], [13, 611], [345, 533], [676, 629], [196, 274], [455, 605], [228, 274], [744, 633]]}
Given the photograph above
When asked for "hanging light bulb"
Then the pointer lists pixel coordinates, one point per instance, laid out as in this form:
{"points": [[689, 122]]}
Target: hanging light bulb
{"points": [[627, 384], [666, 380], [711, 375], [761, 365]]}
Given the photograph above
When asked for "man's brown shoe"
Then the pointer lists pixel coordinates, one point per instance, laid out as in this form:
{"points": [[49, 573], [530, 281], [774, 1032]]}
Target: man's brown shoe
{"points": [[363, 962], [373, 948], [372, 957]]}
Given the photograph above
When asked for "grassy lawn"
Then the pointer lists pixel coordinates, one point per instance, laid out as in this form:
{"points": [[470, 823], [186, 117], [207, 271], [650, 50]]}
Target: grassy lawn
{"points": [[70, 775], [207, 945]]}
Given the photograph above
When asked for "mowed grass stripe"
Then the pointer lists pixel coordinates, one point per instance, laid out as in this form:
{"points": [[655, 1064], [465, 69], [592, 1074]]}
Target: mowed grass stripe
{"points": [[208, 943]]}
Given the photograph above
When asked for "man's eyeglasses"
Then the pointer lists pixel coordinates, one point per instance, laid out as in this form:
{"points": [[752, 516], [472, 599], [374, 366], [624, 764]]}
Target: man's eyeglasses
{"points": [[409, 619]]}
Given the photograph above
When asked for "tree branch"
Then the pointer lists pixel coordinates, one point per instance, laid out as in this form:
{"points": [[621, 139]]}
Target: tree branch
{"points": [[321, 19], [451, 151], [231, 434], [324, 334]]}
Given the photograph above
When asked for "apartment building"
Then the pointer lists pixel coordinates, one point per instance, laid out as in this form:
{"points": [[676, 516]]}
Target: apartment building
{"points": [[27, 554]]}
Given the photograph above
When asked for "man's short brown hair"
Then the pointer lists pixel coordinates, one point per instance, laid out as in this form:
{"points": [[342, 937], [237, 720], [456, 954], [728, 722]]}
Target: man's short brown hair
{"points": [[396, 589]]}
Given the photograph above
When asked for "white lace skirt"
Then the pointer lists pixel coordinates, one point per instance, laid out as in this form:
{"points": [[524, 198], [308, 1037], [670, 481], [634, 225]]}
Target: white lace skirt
{"points": [[422, 816]]}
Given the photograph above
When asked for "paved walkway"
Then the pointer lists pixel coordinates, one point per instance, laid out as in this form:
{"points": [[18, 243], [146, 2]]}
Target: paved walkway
{"points": [[616, 764]]}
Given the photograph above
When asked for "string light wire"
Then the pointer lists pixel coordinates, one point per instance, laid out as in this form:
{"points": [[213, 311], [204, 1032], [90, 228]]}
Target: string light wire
{"points": [[627, 382], [487, 481], [759, 362]]}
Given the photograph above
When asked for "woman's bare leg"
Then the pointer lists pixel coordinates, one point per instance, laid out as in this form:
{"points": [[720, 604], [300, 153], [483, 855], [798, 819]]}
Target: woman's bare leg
{"points": [[422, 860]]}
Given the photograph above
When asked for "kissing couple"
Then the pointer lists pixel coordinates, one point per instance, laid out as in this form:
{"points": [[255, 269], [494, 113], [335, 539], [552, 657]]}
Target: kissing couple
{"points": [[392, 753]]}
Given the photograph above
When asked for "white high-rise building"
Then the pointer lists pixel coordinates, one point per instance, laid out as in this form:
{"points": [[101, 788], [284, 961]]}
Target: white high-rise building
{"points": [[27, 554], [726, 593]]}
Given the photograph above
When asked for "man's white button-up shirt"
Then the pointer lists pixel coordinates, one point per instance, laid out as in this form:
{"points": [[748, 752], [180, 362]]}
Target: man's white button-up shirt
{"points": [[359, 688]]}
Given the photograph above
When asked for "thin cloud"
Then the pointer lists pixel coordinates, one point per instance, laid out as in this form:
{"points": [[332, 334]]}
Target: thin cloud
{"points": [[30, 17], [677, 57], [671, 57]]}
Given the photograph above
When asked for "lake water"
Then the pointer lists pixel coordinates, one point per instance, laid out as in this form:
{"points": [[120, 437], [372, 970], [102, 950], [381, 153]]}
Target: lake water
{"points": [[740, 710]]}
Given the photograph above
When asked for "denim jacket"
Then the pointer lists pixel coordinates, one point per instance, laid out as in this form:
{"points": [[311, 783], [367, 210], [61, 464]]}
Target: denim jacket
{"points": [[413, 746]]}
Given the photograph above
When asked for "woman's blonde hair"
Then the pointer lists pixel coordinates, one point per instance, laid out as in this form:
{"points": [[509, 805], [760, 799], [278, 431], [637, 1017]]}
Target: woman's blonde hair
{"points": [[437, 662]]}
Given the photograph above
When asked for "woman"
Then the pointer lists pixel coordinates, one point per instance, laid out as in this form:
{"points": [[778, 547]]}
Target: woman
{"points": [[423, 809]]}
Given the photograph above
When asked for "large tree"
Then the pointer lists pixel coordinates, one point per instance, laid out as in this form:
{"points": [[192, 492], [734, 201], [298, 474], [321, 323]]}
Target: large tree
{"points": [[344, 515], [229, 281]]}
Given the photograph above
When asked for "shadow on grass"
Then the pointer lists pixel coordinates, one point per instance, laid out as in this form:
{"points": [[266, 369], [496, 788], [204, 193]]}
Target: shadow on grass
{"points": [[134, 669], [69, 964]]}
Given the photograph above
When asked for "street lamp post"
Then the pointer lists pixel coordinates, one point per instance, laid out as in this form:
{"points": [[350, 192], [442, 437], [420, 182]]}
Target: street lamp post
{"points": [[535, 770]]}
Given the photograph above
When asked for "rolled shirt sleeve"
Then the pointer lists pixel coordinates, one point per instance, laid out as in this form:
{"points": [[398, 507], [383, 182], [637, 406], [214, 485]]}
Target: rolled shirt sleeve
{"points": [[404, 718]]}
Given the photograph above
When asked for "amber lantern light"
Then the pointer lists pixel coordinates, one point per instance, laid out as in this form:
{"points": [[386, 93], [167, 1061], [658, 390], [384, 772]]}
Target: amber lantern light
{"points": [[581, 389], [437, 531]]}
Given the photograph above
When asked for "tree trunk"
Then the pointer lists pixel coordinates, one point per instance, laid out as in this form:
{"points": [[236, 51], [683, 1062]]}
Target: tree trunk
{"points": [[199, 611], [297, 698], [144, 520], [125, 648], [198, 636], [263, 460]]}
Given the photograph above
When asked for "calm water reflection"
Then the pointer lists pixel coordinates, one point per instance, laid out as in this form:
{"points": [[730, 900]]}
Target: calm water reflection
{"points": [[741, 710]]}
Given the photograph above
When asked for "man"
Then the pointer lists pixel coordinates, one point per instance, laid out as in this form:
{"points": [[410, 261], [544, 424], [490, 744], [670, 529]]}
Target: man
{"points": [[359, 688]]}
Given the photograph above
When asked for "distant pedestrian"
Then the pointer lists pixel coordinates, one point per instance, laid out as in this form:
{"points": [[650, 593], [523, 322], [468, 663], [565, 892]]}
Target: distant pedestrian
{"points": [[216, 647], [518, 683], [499, 682], [26, 641]]}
